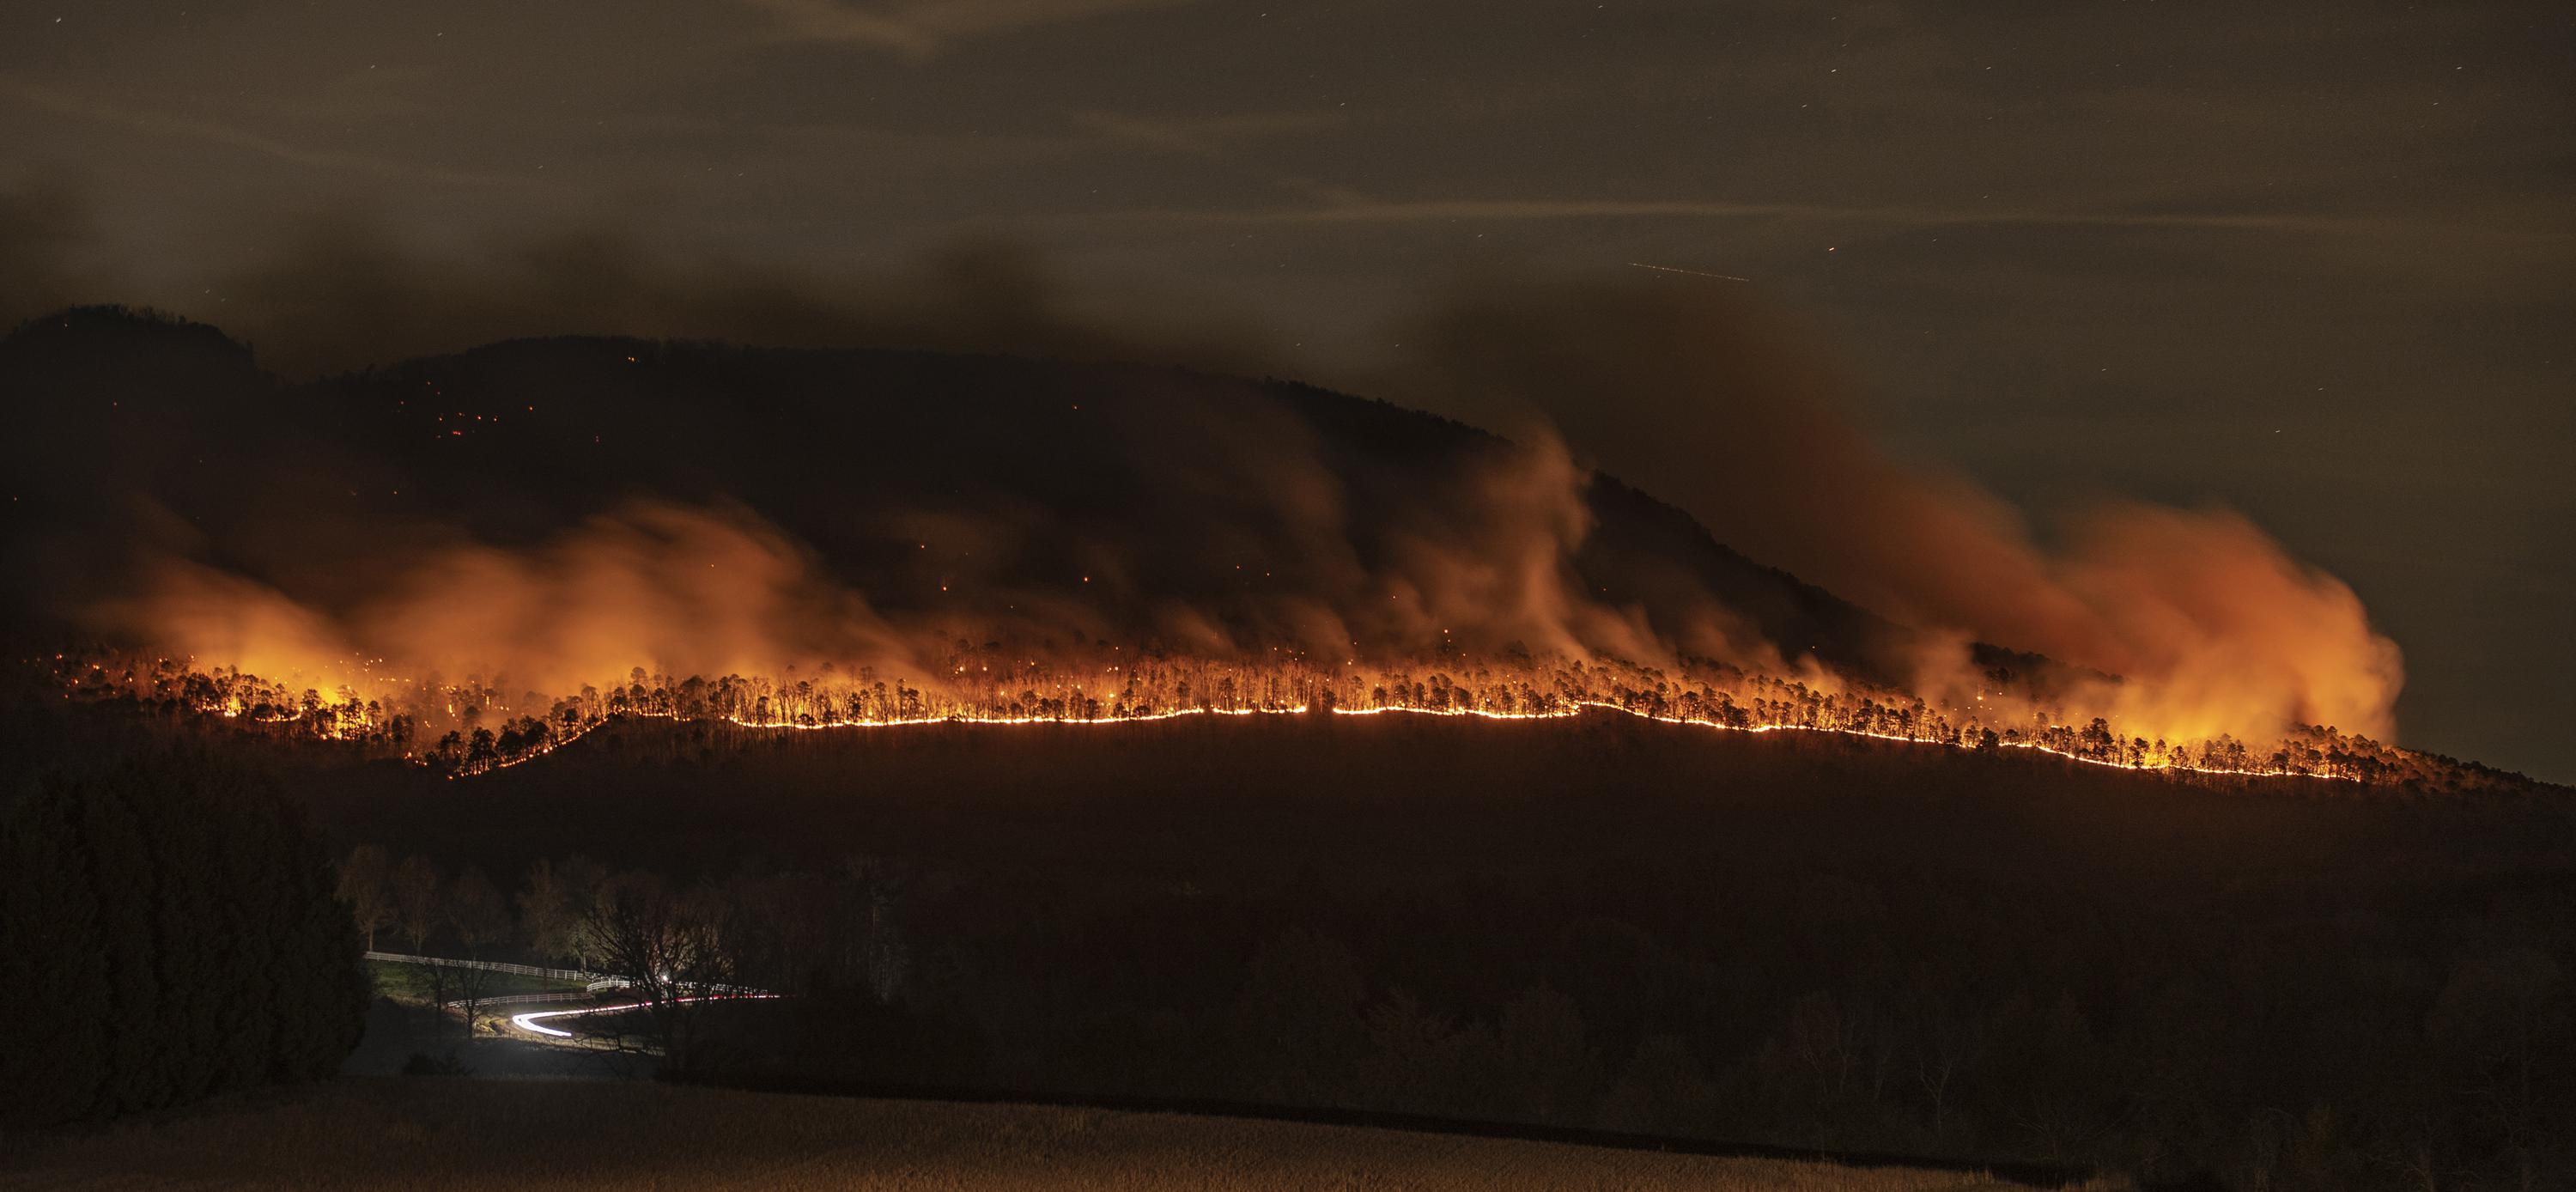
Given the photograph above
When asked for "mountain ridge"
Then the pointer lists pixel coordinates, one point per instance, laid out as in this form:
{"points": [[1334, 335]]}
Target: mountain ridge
{"points": [[697, 452], [885, 473]]}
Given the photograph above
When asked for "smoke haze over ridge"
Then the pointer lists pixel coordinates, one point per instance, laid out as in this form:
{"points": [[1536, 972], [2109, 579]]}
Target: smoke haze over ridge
{"points": [[2214, 624], [2304, 263], [2200, 606]]}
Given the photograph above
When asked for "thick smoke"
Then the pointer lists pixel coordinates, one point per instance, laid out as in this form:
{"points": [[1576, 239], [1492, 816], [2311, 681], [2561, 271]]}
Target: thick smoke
{"points": [[339, 291], [2222, 629], [676, 590], [1505, 578], [1479, 557], [1702, 399], [1729, 412], [683, 590]]}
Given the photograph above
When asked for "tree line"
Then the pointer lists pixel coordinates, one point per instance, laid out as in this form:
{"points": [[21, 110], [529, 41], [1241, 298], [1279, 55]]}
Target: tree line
{"points": [[170, 933], [476, 726], [669, 947], [1825, 1010]]}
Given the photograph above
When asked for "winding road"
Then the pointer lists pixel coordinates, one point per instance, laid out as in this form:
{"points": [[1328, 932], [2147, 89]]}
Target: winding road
{"points": [[528, 1022]]}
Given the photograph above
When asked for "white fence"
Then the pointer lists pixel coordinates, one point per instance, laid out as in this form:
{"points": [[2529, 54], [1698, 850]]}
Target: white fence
{"points": [[524, 970], [514, 999], [592, 983]]}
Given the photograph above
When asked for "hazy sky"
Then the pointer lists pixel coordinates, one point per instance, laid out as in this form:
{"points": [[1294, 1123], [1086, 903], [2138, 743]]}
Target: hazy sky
{"points": [[2315, 262]]}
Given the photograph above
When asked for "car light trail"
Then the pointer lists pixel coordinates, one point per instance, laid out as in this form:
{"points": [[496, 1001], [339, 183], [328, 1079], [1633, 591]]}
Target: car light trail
{"points": [[530, 1023]]}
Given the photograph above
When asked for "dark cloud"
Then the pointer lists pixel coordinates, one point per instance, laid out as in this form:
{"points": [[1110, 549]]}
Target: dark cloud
{"points": [[919, 30], [342, 290], [44, 235]]}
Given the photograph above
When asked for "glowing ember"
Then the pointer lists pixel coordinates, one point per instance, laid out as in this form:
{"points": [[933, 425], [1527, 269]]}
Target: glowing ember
{"points": [[471, 728]]}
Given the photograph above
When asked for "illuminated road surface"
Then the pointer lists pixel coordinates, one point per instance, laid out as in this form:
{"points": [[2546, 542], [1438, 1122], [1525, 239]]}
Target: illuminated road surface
{"points": [[531, 1022]]}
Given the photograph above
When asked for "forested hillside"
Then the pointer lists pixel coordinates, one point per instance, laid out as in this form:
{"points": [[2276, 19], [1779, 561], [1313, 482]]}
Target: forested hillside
{"points": [[1816, 942]]}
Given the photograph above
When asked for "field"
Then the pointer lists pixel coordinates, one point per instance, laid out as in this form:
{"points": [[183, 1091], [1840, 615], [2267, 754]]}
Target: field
{"points": [[435, 1134]]}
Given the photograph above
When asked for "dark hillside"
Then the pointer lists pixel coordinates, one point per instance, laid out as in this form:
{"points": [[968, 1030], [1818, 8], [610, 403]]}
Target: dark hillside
{"points": [[1018, 475], [1225, 799], [1782, 938]]}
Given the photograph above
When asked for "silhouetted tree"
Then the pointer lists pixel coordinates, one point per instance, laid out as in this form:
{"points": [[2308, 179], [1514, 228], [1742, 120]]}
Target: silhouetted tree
{"points": [[672, 952], [1297, 1022], [417, 891], [547, 916], [58, 1065], [366, 886], [173, 934], [481, 918]]}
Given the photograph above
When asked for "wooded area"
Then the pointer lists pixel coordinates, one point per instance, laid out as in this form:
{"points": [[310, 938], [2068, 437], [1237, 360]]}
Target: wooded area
{"points": [[1621, 926], [170, 935]]}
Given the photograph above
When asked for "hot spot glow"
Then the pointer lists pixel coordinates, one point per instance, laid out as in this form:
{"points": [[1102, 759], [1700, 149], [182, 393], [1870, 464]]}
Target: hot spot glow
{"points": [[472, 727]]}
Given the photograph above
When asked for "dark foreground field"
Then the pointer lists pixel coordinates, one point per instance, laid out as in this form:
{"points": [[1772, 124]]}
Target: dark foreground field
{"points": [[1814, 943], [435, 1134]]}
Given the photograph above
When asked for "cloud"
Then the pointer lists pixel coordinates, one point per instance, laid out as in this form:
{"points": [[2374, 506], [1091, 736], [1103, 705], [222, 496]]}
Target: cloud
{"points": [[233, 137], [341, 292], [43, 232], [1551, 209], [1212, 140], [920, 29]]}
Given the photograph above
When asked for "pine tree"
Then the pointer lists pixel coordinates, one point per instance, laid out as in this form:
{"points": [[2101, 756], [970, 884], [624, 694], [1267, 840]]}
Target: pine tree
{"points": [[190, 930], [126, 888], [180, 937], [55, 1067]]}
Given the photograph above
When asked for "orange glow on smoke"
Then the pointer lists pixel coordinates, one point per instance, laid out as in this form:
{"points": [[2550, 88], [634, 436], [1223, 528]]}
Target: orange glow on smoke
{"points": [[472, 657], [466, 730]]}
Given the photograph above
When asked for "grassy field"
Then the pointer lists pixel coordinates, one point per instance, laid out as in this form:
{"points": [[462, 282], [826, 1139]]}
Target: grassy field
{"points": [[444, 1133]]}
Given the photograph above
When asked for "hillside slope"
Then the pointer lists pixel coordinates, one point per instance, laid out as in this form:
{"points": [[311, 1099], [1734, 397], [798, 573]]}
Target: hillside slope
{"points": [[1137, 490], [470, 558], [1801, 940]]}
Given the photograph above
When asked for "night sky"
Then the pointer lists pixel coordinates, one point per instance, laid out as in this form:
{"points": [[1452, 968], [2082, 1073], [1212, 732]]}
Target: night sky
{"points": [[2313, 262]]}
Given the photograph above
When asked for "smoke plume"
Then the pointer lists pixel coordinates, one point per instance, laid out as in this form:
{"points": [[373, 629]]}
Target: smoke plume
{"points": [[2196, 620], [688, 590], [1727, 410]]}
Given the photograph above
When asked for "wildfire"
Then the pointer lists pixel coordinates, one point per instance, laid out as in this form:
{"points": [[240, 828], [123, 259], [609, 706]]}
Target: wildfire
{"points": [[472, 727]]}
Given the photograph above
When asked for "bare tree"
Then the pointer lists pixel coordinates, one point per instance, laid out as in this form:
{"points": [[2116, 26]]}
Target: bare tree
{"points": [[416, 896], [1946, 1042], [882, 957], [673, 952], [2502, 1013], [366, 886], [584, 881], [547, 915], [481, 918]]}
